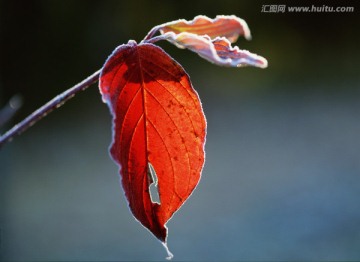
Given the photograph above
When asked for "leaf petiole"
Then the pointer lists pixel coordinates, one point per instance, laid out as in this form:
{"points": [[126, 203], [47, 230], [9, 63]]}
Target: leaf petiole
{"points": [[154, 39]]}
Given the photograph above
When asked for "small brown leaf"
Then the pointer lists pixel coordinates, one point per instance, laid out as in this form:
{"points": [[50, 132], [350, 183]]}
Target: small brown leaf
{"points": [[211, 39]]}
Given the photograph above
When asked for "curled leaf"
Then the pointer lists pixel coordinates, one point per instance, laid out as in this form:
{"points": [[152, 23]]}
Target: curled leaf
{"points": [[218, 51], [211, 39], [228, 26]]}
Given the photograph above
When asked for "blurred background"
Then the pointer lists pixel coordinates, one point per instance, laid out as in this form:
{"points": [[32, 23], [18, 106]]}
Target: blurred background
{"points": [[282, 174]]}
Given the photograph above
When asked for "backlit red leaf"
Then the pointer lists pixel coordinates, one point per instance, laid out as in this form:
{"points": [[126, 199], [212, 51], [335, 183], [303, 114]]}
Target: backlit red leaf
{"points": [[158, 124]]}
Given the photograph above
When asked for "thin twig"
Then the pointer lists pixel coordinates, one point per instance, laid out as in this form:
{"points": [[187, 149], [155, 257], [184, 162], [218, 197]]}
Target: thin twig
{"points": [[56, 102]]}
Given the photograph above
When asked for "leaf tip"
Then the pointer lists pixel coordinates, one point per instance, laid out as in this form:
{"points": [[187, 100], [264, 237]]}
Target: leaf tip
{"points": [[169, 254], [264, 63], [254, 60]]}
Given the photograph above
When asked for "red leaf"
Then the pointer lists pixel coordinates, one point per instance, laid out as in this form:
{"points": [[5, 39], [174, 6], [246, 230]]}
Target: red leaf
{"points": [[158, 124]]}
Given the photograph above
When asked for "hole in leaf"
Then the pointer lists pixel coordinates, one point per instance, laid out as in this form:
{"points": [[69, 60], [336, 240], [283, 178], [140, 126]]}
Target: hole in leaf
{"points": [[153, 186]]}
